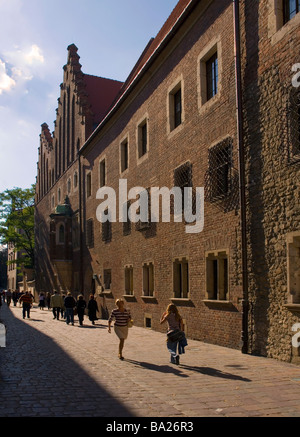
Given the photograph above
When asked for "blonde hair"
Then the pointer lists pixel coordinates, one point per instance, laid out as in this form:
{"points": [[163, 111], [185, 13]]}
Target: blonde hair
{"points": [[118, 301]]}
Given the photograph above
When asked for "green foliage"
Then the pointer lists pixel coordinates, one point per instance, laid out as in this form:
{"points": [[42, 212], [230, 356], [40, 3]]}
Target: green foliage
{"points": [[17, 222]]}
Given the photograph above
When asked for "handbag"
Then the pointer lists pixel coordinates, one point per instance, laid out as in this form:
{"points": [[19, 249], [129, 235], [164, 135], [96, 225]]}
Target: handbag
{"points": [[130, 323], [176, 335]]}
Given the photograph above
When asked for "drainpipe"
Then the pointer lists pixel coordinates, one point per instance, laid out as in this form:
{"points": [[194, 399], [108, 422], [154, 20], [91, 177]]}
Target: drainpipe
{"points": [[80, 182], [239, 116]]}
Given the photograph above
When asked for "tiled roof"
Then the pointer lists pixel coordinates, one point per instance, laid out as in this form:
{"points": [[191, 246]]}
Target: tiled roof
{"points": [[101, 94]]}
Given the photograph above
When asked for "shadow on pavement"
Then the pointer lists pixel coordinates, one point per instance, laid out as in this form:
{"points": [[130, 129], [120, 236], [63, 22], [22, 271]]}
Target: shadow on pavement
{"points": [[37, 378], [157, 368], [214, 372]]}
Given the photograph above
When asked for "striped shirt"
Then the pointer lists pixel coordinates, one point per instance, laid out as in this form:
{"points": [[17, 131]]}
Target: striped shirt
{"points": [[26, 299], [121, 318]]}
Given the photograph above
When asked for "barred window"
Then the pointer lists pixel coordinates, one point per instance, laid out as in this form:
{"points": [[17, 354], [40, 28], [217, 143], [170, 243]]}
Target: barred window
{"points": [[218, 177], [90, 233], [183, 178]]}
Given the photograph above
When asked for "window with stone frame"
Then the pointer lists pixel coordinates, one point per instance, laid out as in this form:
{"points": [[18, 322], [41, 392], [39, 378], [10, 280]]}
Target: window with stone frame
{"points": [[142, 138], [128, 273], [217, 275], [88, 185], [107, 278], [124, 155], [212, 76], [290, 9], [175, 107], [102, 173], [293, 267], [181, 278], [106, 229], [148, 279]]}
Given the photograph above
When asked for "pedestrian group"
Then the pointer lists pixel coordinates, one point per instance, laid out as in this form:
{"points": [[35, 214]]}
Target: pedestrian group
{"points": [[65, 307]]}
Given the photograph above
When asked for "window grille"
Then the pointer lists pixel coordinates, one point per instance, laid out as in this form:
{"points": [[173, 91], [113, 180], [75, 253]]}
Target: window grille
{"points": [[221, 178], [183, 178]]}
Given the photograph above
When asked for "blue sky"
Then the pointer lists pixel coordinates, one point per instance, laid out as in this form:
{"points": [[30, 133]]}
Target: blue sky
{"points": [[34, 36]]}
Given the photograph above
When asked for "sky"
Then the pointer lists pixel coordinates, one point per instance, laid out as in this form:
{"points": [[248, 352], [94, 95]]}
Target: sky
{"points": [[34, 35]]}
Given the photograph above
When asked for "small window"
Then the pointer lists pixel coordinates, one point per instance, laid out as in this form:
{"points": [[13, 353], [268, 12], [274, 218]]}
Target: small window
{"points": [[212, 76], [59, 195], [107, 279], [294, 124], [61, 234], [106, 229], [90, 233], [290, 9], [293, 267], [142, 139], [69, 186], [175, 107], [102, 173], [88, 185], [75, 179], [181, 278], [217, 276], [129, 280], [127, 224], [124, 155], [148, 279]]}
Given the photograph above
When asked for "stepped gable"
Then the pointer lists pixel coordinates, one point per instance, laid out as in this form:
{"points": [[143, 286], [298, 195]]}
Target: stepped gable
{"points": [[46, 137]]}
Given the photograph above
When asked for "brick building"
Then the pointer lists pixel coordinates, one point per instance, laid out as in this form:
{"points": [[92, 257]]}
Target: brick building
{"points": [[210, 103]]}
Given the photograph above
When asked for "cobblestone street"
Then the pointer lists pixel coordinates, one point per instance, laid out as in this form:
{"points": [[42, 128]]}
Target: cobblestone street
{"points": [[51, 369]]}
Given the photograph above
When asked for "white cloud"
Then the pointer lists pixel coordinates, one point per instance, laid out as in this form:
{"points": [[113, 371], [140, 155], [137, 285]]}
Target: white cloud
{"points": [[6, 82], [35, 55]]}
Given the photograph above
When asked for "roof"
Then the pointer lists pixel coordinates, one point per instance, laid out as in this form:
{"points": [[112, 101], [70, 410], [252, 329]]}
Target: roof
{"points": [[176, 16], [101, 94]]}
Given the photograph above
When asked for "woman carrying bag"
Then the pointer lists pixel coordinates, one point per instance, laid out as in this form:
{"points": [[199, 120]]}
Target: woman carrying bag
{"points": [[176, 339]]}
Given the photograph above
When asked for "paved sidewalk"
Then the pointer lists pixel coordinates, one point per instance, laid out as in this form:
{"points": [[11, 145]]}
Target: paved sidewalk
{"points": [[52, 369]]}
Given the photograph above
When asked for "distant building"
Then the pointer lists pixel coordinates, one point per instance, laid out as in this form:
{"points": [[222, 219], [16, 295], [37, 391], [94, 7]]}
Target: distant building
{"points": [[210, 103]]}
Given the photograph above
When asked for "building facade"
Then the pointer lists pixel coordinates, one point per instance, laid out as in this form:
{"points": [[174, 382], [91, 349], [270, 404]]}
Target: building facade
{"points": [[209, 107]]}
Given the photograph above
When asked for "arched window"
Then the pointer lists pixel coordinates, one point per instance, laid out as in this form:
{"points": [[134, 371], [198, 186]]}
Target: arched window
{"points": [[61, 234]]}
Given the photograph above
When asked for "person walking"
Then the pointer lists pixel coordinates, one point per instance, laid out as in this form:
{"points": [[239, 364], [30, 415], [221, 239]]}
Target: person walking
{"points": [[41, 301], [26, 299], [56, 303], [15, 297], [81, 306], [70, 303], [121, 316], [176, 340], [92, 309], [8, 297]]}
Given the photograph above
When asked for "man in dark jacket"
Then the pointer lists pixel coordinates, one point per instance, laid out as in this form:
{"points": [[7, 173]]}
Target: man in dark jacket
{"points": [[70, 303]]}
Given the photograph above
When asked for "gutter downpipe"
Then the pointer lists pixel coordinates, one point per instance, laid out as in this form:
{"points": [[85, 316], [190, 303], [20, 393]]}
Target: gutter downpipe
{"points": [[243, 223]]}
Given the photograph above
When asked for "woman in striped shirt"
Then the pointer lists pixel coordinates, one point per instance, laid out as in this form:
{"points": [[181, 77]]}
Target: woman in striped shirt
{"points": [[121, 316]]}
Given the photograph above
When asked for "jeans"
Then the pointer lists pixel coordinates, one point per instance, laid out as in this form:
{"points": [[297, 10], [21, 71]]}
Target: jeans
{"points": [[56, 311], [172, 348], [69, 315]]}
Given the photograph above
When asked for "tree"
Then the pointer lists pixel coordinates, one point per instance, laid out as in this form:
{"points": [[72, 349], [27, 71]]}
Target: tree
{"points": [[17, 223]]}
